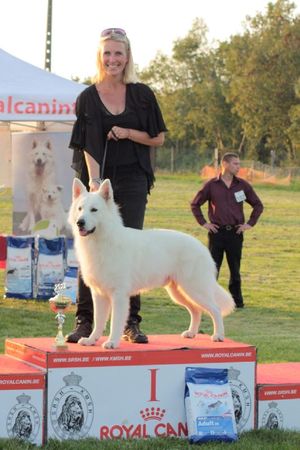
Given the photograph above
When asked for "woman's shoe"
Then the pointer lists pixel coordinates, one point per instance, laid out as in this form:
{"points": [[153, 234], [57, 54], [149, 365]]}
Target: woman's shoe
{"points": [[132, 333], [83, 328]]}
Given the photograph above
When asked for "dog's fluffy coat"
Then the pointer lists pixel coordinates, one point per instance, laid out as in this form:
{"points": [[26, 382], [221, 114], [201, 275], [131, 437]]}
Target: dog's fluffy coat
{"points": [[117, 262]]}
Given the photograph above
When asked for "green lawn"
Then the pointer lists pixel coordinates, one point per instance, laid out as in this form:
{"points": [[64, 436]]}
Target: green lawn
{"points": [[271, 286]]}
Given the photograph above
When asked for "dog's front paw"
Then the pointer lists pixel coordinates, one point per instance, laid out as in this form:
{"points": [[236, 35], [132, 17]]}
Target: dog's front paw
{"points": [[217, 338], [86, 341], [188, 334], [23, 226], [110, 344]]}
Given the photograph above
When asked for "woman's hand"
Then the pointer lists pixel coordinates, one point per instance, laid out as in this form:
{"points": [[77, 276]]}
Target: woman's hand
{"points": [[94, 184], [117, 133], [138, 136]]}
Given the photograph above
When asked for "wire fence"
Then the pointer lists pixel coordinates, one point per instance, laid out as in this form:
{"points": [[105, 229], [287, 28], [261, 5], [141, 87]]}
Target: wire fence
{"points": [[253, 171]]}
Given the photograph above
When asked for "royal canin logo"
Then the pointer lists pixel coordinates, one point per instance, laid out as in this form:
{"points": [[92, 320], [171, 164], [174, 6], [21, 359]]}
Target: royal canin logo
{"points": [[150, 415], [141, 430]]}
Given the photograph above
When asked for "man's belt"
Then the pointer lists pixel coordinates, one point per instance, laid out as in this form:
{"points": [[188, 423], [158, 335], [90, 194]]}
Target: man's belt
{"points": [[227, 227]]}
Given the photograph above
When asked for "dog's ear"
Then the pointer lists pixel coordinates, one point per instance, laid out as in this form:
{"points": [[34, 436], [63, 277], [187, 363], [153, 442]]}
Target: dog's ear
{"points": [[48, 145], [105, 190], [78, 188], [34, 144], [59, 187]]}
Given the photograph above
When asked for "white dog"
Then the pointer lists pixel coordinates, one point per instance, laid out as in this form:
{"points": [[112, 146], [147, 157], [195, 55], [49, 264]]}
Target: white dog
{"points": [[52, 208], [117, 262], [40, 173]]}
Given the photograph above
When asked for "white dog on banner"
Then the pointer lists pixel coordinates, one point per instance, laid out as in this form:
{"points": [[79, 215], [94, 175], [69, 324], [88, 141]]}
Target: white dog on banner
{"points": [[40, 174], [117, 262], [52, 208]]}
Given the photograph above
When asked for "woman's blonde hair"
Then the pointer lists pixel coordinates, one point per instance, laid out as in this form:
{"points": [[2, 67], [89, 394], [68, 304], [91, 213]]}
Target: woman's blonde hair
{"points": [[129, 75]]}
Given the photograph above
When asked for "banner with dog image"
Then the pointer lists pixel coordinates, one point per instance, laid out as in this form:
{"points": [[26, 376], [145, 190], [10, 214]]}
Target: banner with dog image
{"points": [[42, 183]]}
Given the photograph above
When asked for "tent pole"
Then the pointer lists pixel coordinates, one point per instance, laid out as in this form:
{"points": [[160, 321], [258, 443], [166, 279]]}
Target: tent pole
{"points": [[48, 37]]}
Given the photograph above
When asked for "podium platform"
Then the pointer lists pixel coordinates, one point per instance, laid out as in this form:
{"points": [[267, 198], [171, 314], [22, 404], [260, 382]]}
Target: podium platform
{"points": [[22, 399], [278, 396], [137, 390]]}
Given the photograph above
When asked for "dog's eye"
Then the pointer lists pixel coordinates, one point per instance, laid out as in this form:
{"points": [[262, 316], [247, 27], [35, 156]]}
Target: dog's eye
{"points": [[79, 208], [94, 209]]}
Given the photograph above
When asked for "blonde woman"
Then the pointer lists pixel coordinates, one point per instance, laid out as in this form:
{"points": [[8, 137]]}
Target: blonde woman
{"points": [[118, 121]]}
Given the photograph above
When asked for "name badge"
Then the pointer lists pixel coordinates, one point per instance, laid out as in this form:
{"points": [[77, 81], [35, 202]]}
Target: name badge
{"points": [[240, 196]]}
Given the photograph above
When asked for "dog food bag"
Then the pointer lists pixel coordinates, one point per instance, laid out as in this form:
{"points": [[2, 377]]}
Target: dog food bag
{"points": [[19, 267], [71, 257], [50, 266], [209, 406], [70, 281]]}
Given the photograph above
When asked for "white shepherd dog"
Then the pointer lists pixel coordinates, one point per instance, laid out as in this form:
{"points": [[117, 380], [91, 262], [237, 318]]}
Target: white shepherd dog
{"points": [[117, 262]]}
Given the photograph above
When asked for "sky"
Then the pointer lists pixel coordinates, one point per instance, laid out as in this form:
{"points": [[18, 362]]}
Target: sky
{"points": [[151, 25]]}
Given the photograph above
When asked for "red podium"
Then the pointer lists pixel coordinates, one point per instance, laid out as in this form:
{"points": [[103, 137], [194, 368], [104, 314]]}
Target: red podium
{"points": [[278, 396], [22, 399], [137, 390]]}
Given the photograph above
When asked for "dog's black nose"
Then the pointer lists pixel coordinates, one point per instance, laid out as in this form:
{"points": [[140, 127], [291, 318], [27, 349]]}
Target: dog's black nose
{"points": [[80, 223]]}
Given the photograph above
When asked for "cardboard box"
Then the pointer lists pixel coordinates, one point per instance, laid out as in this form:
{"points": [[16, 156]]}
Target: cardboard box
{"points": [[22, 399], [137, 390], [278, 396]]}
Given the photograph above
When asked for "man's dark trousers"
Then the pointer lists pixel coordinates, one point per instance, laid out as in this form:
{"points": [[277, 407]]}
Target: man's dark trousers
{"points": [[227, 241]]}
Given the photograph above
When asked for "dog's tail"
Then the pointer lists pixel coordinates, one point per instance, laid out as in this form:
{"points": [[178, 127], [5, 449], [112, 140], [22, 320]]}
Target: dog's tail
{"points": [[224, 300]]}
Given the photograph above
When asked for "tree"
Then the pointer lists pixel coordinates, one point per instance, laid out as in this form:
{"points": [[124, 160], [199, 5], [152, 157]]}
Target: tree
{"points": [[262, 67], [191, 93], [294, 129]]}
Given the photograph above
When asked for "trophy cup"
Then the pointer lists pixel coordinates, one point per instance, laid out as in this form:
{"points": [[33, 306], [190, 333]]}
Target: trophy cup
{"points": [[59, 304]]}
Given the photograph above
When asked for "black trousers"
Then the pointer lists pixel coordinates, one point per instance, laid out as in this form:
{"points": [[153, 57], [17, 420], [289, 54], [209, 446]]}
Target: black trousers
{"points": [[130, 186], [230, 243]]}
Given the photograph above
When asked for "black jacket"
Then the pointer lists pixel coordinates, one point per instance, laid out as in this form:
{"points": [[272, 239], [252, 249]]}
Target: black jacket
{"points": [[88, 135]]}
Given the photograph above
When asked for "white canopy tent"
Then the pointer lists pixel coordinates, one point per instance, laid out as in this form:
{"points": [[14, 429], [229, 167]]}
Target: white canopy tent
{"points": [[28, 93], [31, 98]]}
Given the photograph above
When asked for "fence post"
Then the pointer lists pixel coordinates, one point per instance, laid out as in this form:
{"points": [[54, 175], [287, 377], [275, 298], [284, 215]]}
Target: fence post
{"points": [[172, 159]]}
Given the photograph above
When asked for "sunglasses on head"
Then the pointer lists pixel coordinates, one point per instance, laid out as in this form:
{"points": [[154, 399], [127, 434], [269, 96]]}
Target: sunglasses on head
{"points": [[109, 31]]}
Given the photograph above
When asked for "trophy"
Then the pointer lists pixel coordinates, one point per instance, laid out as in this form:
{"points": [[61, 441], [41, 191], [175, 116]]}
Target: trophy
{"points": [[59, 304]]}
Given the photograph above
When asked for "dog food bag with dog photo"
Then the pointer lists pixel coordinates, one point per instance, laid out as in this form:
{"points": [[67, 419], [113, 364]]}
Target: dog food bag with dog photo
{"points": [[50, 265], [209, 405], [71, 283], [71, 257], [19, 267]]}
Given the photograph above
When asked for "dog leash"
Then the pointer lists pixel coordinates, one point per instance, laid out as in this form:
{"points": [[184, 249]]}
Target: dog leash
{"points": [[103, 161]]}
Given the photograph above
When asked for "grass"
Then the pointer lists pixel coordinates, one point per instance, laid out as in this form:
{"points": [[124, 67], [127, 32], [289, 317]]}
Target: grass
{"points": [[271, 287], [258, 440]]}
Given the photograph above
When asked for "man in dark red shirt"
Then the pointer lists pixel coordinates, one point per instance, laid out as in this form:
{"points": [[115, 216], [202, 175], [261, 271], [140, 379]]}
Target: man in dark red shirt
{"points": [[226, 195]]}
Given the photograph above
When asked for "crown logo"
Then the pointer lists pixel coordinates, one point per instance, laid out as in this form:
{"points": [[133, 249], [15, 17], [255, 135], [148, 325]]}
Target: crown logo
{"points": [[152, 413], [72, 379], [233, 374], [272, 405], [23, 399]]}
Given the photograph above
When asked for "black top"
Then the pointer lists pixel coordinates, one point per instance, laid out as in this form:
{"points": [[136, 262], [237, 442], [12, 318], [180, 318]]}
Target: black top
{"points": [[121, 152], [93, 122]]}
